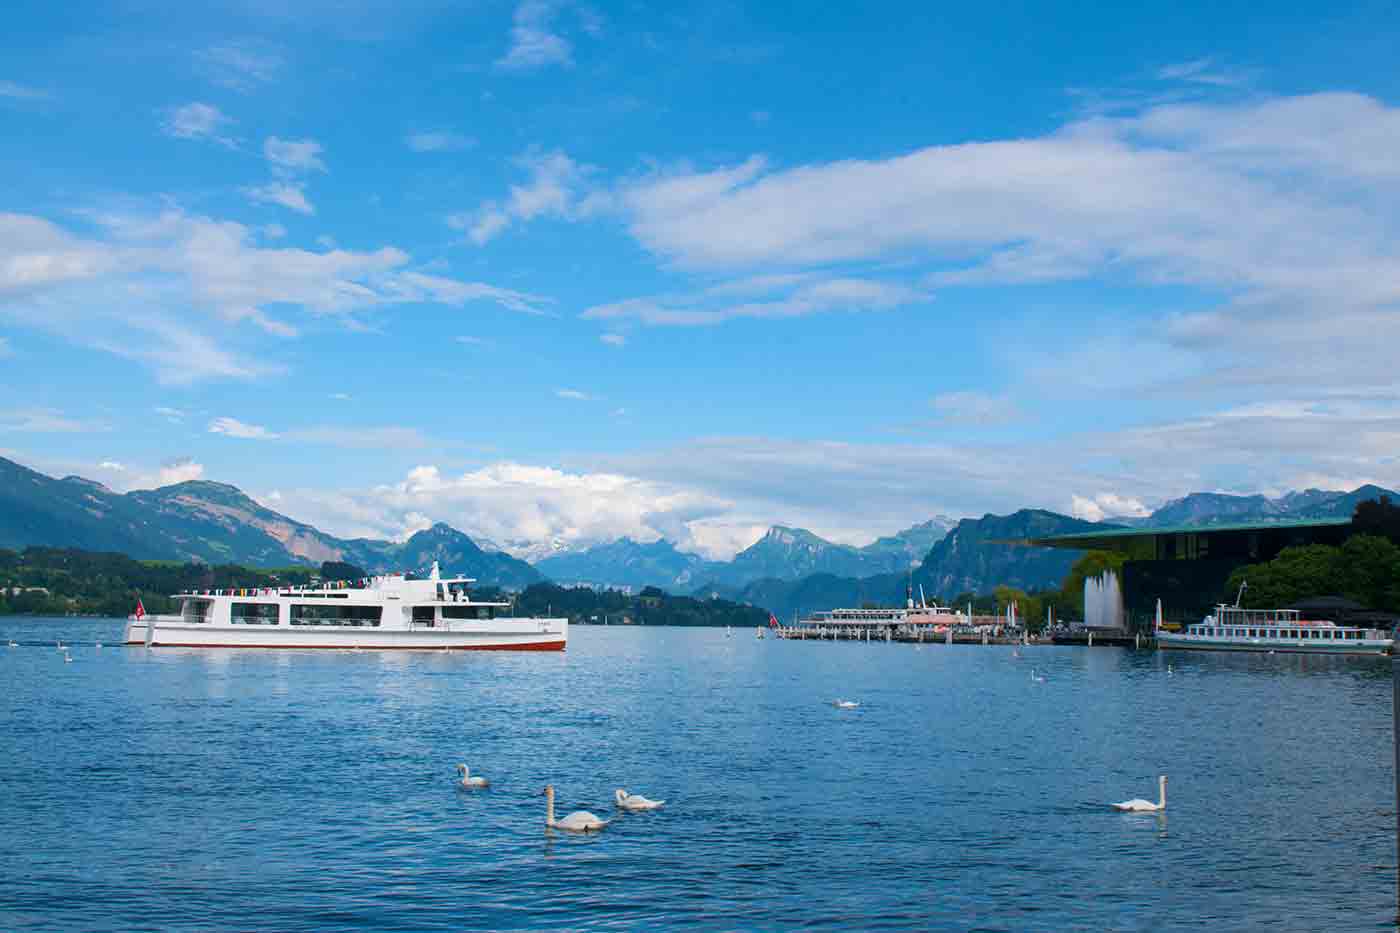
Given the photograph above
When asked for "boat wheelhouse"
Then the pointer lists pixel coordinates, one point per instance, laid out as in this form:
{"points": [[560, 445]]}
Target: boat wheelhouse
{"points": [[1284, 630], [390, 611]]}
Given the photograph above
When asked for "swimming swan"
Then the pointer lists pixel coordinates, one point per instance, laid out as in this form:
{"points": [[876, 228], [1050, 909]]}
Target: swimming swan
{"points": [[1138, 805], [471, 782], [628, 801], [580, 821], [845, 704], [1037, 678]]}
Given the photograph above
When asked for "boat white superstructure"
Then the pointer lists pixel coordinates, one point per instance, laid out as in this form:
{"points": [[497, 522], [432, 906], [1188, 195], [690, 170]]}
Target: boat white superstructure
{"points": [[879, 623], [389, 611], [1231, 628]]}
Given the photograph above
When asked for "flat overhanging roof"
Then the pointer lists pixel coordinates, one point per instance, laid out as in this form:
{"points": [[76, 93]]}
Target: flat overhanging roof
{"points": [[1110, 539]]}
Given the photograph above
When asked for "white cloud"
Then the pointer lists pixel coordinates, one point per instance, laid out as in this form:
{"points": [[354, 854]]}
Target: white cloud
{"points": [[438, 141], [290, 156], [232, 427], [510, 503], [574, 395], [1107, 506], [556, 188], [273, 231], [971, 407], [137, 288], [291, 195], [5, 349], [199, 121], [112, 465], [180, 470], [613, 340], [240, 65], [1202, 71], [46, 421], [15, 91], [341, 396], [533, 44], [776, 296], [173, 415]]}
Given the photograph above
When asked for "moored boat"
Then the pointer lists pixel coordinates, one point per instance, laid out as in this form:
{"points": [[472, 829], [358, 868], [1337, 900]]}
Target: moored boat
{"points": [[390, 611], [1231, 628]]}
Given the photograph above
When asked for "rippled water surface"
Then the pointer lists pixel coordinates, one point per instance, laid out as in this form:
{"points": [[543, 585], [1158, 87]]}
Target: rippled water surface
{"points": [[203, 790]]}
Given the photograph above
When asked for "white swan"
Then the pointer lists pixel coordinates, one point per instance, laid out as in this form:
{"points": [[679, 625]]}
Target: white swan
{"points": [[628, 801], [1169, 670], [68, 658], [14, 644], [1138, 805], [845, 704], [470, 782], [1037, 678], [580, 821]]}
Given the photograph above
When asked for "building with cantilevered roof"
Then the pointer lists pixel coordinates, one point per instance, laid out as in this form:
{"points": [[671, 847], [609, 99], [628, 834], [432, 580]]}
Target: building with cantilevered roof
{"points": [[1187, 566]]}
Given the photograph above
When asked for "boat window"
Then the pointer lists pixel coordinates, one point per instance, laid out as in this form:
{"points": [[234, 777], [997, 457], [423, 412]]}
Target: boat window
{"points": [[329, 614], [468, 612], [254, 613], [196, 610], [423, 615]]}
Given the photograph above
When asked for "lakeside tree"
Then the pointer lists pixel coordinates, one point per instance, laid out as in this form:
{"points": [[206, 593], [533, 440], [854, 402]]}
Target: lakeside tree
{"points": [[1366, 568], [1377, 517]]}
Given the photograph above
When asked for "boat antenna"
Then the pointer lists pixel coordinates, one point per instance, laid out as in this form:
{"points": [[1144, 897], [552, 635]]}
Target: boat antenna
{"points": [[1244, 585], [923, 603]]}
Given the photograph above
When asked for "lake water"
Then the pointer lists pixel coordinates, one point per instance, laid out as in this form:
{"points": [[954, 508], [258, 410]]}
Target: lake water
{"points": [[221, 790]]}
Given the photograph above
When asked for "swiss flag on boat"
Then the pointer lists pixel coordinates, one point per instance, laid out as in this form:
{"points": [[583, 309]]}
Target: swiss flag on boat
{"points": [[140, 609]]}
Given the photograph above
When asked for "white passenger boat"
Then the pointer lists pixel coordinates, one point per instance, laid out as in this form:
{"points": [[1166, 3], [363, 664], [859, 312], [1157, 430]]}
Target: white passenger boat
{"points": [[878, 622], [1283, 630], [391, 611]]}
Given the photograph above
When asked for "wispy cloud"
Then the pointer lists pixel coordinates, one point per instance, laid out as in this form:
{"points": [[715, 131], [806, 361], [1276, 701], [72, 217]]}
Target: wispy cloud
{"points": [[16, 91], [533, 41], [976, 408], [173, 415], [240, 65], [232, 427], [5, 348], [556, 188], [613, 340], [291, 195], [772, 297], [199, 121], [438, 141], [574, 395], [291, 156], [1203, 71], [145, 286], [47, 421], [177, 470]]}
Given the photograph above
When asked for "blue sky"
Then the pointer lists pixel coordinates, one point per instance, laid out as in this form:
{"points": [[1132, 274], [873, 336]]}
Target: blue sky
{"points": [[561, 271]]}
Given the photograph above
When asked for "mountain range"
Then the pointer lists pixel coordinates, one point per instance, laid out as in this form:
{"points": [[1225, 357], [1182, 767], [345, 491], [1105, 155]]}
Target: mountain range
{"points": [[782, 553], [216, 523], [1203, 509], [787, 568]]}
